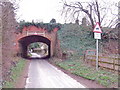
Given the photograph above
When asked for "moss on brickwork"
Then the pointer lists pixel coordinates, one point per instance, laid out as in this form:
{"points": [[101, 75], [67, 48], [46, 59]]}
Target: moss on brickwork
{"points": [[47, 26]]}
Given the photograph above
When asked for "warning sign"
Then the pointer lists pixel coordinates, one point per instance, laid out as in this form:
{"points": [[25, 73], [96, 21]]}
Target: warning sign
{"points": [[97, 28]]}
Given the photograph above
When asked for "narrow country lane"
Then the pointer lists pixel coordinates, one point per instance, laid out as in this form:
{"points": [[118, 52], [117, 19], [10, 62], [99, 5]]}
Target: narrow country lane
{"points": [[41, 74]]}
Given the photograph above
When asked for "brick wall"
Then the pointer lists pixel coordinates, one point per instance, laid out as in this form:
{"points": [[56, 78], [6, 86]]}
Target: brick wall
{"points": [[32, 30]]}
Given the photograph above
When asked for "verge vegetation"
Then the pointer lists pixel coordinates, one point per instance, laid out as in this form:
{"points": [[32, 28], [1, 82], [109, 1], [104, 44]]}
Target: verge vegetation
{"points": [[79, 68], [75, 39], [15, 74]]}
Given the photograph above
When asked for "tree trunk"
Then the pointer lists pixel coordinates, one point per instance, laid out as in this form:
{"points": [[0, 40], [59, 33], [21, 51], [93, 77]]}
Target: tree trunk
{"points": [[91, 19], [98, 12]]}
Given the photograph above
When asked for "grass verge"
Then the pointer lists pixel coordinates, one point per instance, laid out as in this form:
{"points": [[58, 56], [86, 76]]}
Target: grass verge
{"points": [[15, 74], [79, 68]]}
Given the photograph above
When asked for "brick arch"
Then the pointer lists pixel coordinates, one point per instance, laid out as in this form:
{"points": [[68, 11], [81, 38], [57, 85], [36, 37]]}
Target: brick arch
{"points": [[25, 41]]}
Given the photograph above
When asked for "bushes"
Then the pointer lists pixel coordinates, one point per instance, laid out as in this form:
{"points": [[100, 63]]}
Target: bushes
{"points": [[75, 37]]}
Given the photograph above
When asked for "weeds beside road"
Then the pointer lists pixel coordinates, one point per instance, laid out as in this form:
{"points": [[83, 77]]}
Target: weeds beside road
{"points": [[79, 68], [15, 74]]}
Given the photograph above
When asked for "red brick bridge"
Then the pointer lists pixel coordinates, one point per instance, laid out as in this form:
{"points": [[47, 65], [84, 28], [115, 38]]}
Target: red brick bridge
{"points": [[31, 33]]}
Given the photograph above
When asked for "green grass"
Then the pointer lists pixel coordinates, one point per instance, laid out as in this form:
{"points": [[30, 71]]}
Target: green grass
{"points": [[78, 68], [15, 74]]}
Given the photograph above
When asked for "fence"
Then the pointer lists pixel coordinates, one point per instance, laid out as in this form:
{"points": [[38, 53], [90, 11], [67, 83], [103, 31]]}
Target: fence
{"points": [[110, 62]]}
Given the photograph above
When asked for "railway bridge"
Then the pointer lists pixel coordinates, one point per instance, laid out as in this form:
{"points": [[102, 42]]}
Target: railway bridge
{"points": [[28, 33]]}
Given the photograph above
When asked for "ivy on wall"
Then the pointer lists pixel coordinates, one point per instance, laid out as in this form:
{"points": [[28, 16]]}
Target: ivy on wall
{"points": [[47, 26]]}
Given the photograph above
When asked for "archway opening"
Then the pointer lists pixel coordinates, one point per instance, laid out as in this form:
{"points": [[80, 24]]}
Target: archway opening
{"points": [[37, 50], [35, 46]]}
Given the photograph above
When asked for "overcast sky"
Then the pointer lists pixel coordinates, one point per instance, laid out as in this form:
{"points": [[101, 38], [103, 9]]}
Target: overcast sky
{"points": [[42, 10]]}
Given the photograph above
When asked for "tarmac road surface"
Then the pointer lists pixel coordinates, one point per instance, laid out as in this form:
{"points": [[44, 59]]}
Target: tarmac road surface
{"points": [[34, 55], [42, 74]]}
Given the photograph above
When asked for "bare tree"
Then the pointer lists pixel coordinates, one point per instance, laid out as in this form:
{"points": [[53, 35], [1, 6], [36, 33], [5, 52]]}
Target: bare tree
{"points": [[8, 37], [118, 24], [94, 10]]}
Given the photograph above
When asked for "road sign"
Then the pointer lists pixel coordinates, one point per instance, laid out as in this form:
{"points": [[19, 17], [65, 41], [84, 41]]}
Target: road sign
{"points": [[97, 35], [97, 28]]}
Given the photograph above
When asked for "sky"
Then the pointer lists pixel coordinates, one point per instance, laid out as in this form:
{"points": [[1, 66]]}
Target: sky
{"points": [[42, 10]]}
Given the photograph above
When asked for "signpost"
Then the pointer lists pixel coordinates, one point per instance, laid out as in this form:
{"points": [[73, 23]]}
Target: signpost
{"points": [[97, 35]]}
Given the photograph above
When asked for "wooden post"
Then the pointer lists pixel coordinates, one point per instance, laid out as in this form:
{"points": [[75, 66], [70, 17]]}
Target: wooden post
{"points": [[99, 59], [85, 56], [113, 64]]}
